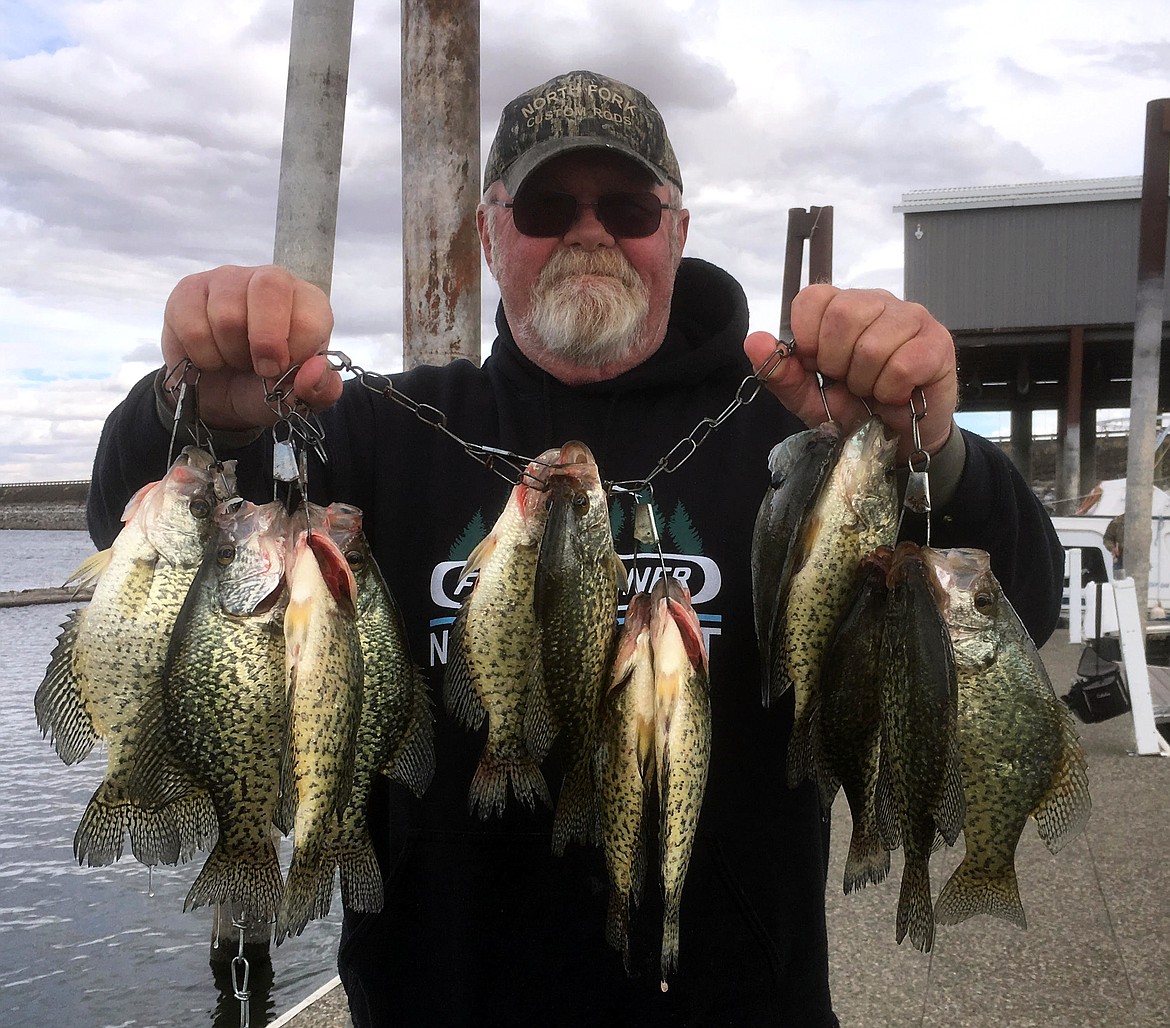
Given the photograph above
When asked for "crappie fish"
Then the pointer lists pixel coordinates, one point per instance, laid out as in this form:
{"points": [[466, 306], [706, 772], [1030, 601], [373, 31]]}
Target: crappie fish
{"points": [[849, 737], [494, 650], [578, 577], [799, 466], [104, 675], [324, 673], [856, 512], [226, 715], [625, 769], [682, 740], [920, 792], [395, 731], [1021, 755]]}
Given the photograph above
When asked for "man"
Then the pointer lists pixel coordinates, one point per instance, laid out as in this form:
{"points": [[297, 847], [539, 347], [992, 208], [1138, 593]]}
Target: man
{"points": [[606, 334]]}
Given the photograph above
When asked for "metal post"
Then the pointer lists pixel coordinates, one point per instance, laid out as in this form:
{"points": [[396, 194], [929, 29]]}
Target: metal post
{"points": [[440, 181], [1021, 441], [1147, 350], [310, 157], [1067, 488], [815, 225]]}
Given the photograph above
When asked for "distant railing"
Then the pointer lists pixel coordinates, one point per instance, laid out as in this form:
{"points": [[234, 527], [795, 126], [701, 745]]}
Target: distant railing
{"points": [[40, 485]]}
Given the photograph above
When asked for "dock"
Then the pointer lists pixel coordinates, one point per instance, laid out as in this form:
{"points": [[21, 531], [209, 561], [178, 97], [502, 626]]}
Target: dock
{"points": [[1097, 948]]}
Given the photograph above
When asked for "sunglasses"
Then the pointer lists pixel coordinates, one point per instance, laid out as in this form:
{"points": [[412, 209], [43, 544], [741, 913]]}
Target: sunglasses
{"points": [[544, 215]]}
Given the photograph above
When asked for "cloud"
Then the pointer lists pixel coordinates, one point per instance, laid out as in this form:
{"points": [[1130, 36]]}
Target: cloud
{"points": [[142, 142]]}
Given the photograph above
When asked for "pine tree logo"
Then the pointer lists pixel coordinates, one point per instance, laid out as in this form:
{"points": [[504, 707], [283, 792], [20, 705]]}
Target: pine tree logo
{"points": [[469, 538], [682, 531]]}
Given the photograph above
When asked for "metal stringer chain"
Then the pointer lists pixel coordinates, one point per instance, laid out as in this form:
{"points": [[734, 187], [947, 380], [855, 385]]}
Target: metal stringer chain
{"points": [[491, 457], [640, 490], [182, 382], [917, 496]]}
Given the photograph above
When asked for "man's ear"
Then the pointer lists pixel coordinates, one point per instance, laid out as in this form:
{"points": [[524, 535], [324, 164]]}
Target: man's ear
{"points": [[481, 225]]}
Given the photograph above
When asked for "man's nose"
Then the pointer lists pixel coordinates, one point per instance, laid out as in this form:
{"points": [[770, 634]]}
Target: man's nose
{"points": [[587, 231]]}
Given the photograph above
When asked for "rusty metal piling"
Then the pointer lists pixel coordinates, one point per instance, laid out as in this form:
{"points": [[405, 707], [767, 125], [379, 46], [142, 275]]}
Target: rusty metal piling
{"points": [[440, 181]]}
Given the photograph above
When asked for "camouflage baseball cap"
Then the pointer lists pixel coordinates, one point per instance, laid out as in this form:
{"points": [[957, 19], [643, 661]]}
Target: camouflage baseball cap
{"points": [[580, 110]]}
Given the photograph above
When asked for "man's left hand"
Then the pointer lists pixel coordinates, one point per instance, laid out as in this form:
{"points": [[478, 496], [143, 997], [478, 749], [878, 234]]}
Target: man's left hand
{"points": [[872, 346]]}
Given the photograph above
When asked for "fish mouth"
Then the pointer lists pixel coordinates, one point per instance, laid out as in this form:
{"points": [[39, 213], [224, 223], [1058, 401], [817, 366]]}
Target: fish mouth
{"points": [[335, 569]]}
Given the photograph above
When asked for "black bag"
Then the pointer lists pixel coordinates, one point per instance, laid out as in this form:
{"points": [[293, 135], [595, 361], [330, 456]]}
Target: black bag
{"points": [[1098, 692]]}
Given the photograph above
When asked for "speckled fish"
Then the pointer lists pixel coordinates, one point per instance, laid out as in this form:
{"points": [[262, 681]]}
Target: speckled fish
{"points": [[920, 791], [395, 731], [104, 675], [682, 740], [799, 467], [849, 736], [625, 769], [578, 576], [494, 650], [1020, 752], [226, 715], [856, 512], [324, 673]]}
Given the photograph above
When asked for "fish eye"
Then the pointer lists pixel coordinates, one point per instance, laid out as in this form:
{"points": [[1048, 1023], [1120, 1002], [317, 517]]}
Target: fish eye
{"points": [[984, 602], [199, 508], [581, 501], [225, 555], [355, 558]]}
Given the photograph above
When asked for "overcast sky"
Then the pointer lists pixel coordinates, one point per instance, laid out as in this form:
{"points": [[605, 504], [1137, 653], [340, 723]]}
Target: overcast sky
{"points": [[140, 141]]}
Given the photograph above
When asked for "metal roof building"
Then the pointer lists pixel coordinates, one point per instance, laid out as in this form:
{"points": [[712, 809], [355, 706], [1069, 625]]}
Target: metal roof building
{"points": [[1038, 284]]}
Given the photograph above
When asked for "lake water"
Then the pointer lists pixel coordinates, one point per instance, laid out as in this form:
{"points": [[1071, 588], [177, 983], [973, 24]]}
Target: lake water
{"points": [[100, 947]]}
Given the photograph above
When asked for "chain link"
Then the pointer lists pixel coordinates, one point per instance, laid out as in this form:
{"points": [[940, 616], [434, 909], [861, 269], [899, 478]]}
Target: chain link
{"points": [[492, 456]]}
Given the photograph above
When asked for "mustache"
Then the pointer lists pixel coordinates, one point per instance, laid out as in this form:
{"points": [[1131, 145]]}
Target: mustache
{"points": [[569, 263]]}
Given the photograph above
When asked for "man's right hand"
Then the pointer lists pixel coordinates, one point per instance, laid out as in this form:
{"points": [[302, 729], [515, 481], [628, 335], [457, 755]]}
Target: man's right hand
{"points": [[242, 327]]}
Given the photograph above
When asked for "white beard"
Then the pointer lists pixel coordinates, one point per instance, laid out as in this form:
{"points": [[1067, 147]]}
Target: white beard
{"points": [[589, 308]]}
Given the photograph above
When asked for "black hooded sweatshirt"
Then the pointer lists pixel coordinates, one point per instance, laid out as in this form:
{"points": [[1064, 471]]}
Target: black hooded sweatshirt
{"points": [[482, 924]]}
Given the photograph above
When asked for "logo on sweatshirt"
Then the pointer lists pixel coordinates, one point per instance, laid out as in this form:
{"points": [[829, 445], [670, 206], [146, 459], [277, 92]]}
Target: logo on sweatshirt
{"points": [[682, 558]]}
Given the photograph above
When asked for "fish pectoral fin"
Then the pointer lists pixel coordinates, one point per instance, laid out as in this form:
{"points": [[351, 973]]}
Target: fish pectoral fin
{"points": [[620, 575], [480, 555], [91, 569]]}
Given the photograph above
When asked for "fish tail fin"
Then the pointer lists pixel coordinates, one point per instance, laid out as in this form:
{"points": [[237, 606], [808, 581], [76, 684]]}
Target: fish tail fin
{"points": [[59, 702], [413, 765], [301, 900], [361, 878], [974, 890], [868, 862], [249, 880], [489, 785], [194, 820], [617, 925], [488, 792], [669, 941], [915, 910], [576, 816], [325, 878]]}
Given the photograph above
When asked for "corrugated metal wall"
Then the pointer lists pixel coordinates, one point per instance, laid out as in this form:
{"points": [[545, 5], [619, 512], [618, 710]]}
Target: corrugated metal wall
{"points": [[1043, 265]]}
